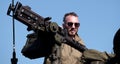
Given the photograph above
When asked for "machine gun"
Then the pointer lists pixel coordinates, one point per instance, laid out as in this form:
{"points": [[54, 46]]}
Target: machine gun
{"points": [[49, 33]]}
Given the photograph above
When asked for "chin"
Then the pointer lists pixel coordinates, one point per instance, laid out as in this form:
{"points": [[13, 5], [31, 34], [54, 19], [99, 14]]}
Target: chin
{"points": [[73, 34]]}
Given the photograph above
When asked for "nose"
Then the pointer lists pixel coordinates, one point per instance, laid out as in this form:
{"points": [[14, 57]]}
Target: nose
{"points": [[73, 26]]}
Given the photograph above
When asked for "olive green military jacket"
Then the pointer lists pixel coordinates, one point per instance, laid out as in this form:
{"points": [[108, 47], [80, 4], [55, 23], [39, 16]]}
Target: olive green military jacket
{"points": [[69, 55]]}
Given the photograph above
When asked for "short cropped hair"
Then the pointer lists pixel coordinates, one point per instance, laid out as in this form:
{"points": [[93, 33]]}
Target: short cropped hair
{"points": [[67, 14]]}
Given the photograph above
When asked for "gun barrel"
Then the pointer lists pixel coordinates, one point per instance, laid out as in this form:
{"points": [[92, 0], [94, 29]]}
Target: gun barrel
{"points": [[25, 15]]}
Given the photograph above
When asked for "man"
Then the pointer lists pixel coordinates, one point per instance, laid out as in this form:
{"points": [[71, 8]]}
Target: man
{"points": [[70, 55]]}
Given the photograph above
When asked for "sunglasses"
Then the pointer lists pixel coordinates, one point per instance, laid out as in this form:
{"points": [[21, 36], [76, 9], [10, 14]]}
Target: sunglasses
{"points": [[75, 24]]}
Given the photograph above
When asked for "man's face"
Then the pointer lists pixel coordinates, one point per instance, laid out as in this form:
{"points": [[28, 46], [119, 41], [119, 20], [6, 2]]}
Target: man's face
{"points": [[71, 24]]}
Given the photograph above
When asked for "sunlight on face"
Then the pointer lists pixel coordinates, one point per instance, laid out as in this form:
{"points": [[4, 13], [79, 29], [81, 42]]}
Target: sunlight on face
{"points": [[72, 24]]}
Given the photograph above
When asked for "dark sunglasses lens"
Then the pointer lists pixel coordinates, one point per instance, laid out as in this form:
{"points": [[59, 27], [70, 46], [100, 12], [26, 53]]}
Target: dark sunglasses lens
{"points": [[77, 24], [70, 24]]}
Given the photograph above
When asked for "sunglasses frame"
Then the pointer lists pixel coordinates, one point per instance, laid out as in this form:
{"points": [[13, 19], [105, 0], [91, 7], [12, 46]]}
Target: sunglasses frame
{"points": [[70, 24]]}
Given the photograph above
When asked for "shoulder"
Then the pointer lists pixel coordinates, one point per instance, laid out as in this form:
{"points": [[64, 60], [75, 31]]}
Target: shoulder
{"points": [[79, 39]]}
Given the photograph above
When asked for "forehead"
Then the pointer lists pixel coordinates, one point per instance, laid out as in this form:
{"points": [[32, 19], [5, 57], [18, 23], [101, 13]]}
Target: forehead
{"points": [[71, 18]]}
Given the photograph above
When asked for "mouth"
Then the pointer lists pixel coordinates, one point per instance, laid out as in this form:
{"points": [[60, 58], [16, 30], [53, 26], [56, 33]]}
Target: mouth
{"points": [[73, 31]]}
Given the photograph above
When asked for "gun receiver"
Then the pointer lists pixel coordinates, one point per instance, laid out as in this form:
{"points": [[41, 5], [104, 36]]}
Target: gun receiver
{"points": [[25, 15]]}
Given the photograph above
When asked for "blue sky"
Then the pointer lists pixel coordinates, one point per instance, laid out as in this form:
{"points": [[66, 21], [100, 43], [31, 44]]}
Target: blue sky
{"points": [[100, 19]]}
